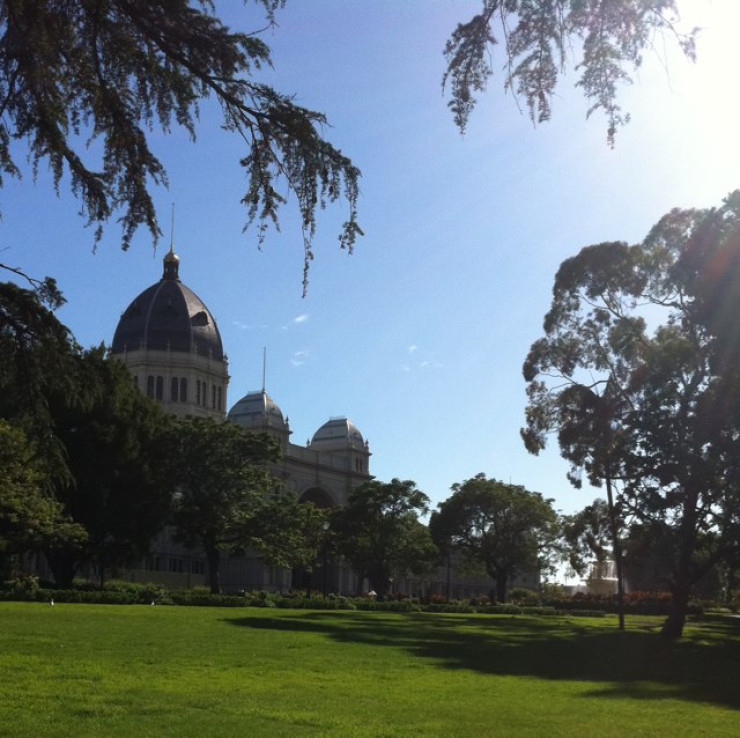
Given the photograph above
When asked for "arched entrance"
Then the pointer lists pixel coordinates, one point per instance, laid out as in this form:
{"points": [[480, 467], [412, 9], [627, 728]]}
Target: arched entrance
{"points": [[323, 578]]}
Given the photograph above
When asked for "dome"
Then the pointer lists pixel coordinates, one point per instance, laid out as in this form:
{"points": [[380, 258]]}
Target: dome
{"points": [[338, 432], [257, 410], [168, 316]]}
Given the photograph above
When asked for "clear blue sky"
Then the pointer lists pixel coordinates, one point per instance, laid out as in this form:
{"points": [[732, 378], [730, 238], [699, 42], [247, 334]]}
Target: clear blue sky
{"points": [[419, 337]]}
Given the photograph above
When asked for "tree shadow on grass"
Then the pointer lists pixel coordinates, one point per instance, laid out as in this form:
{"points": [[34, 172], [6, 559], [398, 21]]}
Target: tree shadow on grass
{"points": [[636, 664]]}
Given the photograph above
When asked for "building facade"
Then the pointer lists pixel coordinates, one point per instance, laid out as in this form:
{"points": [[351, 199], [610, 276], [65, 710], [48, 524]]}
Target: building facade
{"points": [[171, 344]]}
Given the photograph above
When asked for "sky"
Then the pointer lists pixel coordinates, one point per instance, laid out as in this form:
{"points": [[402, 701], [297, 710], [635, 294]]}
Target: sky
{"points": [[419, 336]]}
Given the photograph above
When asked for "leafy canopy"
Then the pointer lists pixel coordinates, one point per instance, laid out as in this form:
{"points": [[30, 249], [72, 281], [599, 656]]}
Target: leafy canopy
{"points": [[223, 482], [84, 84], [540, 38], [504, 527], [121, 477], [30, 518], [637, 375], [380, 534]]}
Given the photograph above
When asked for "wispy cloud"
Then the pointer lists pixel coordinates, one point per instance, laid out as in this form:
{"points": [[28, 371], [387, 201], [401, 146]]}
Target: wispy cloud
{"points": [[418, 363], [298, 320], [299, 358], [248, 326]]}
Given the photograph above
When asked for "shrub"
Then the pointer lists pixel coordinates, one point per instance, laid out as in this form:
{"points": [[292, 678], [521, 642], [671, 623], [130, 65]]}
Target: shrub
{"points": [[436, 599], [500, 610], [22, 583], [386, 605], [449, 607], [205, 599], [481, 601], [582, 613], [735, 601], [538, 610], [522, 596]]}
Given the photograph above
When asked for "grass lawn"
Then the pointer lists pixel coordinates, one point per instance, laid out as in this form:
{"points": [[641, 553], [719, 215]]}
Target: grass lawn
{"points": [[96, 670]]}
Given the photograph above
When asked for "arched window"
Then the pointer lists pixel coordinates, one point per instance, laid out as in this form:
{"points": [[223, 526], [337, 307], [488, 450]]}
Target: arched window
{"points": [[204, 395], [160, 388], [197, 389], [220, 397], [174, 387], [213, 395], [183, 389], [136, 380], [150, 386]]}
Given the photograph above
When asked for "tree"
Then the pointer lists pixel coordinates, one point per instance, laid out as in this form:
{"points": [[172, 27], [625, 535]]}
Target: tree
{"points": [[504, 527], [37, 359], [95, 438], [634, 375], [222, 482], [586, 535], [107, 72], [287, 533], [591, 537], [29, 518], [121, 477], [380, 534], [604, 39]]}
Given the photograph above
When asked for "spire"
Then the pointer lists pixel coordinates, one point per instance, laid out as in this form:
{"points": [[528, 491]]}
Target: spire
{"points": [[171, 260]]}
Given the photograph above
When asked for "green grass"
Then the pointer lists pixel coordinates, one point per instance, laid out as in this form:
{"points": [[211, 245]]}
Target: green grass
{"points": [[90, 670]]}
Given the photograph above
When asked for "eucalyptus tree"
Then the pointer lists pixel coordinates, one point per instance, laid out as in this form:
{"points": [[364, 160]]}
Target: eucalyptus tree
{"points": [[587, 536], [504, 527], [636, 375]]}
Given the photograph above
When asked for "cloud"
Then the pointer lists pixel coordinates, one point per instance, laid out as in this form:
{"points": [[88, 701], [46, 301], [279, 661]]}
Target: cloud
{"points": [[300, 357], [302, 318], [247, 326], [413, 347]]}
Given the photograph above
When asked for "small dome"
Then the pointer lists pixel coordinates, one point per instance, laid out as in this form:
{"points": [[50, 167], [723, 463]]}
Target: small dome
{"points": [[168, 316], [338, 433], [257, 410]]}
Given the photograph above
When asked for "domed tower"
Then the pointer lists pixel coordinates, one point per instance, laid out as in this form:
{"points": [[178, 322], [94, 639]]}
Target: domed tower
{"points": [[257, 412], [170, 342], [340, 439]]}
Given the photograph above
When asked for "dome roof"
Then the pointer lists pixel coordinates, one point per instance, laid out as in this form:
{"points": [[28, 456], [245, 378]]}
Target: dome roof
{"points": [[338, 432], [168, 316], [257, 410]]}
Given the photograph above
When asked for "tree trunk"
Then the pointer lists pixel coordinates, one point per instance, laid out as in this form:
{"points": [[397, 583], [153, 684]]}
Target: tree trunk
{"points": [[501, 582], [673, 625], [6, 565], [681, 589], [616, 549], [63, 566], [213, 558]]}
